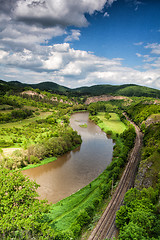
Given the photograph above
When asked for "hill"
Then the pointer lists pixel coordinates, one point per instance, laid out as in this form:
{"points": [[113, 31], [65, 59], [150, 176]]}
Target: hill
{"points": [[47, 86], [96, 90], [125, 90]]}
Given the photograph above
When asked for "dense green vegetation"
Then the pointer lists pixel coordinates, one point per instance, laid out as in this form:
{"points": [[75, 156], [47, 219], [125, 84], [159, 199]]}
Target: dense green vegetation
{"points": [[36, 125], [46, 134], [139, 217], [21, 214], [53, 146], [15, 115], [51, 136], [141, 111], [125, 90]]}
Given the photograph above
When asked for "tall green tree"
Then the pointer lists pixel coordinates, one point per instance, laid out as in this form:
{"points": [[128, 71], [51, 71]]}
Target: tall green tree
{"points": [[21, 213]]}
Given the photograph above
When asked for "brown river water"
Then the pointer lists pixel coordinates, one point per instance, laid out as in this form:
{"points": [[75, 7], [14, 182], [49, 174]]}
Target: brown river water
{"points": [[77, 168]]}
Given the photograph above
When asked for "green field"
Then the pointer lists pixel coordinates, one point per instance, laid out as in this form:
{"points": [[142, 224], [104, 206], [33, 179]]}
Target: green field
{"points": [[113, 124], [21, 123], [22, 133]]}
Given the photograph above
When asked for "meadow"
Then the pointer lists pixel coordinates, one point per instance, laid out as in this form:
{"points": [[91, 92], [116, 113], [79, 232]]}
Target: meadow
{"points": [[113, 124]]}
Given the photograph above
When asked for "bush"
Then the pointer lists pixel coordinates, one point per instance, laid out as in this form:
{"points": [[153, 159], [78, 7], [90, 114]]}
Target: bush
{"points": [[76, 229], [34, 159], [96, 202], [109, 132], [83, 218], [90, 210]]}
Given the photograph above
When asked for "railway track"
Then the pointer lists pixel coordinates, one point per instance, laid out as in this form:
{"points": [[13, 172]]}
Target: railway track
{"points": [[106, 226]]}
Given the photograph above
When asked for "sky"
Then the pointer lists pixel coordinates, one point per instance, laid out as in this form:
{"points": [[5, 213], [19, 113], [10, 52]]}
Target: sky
{"points": [[80, 42]]}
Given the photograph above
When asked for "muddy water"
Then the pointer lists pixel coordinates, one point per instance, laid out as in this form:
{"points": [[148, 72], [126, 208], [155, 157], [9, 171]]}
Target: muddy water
{"points": [[77, 168]]}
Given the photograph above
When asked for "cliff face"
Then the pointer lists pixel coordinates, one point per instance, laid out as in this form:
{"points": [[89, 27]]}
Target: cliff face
{"points": [[147, 175], [104, 98], [149, 168]]}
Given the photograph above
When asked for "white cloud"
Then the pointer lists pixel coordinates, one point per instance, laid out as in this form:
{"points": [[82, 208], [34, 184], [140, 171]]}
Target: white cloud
{"points": [[26, 29], [138, 55], [75, 35], [73, 68], [3, 54], [57, 12], [106, 14], [155, 48], [138, 43]]}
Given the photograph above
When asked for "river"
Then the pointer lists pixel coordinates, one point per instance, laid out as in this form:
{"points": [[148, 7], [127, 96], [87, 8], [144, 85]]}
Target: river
{"points": [[79, 167]]}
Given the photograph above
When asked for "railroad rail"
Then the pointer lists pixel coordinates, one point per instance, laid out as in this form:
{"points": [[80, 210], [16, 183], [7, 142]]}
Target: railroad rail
{"points": [[106, 228]]}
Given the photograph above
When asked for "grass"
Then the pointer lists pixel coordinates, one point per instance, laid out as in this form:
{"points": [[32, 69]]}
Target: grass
{"points": [[45, 161], [25, 121], [24, 132], [65, 211], [83, 125], [113, 124]]}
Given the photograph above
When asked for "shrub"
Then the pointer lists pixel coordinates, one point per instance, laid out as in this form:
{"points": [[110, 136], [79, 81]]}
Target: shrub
{"points": [[83, 218], [34, 159], [76, 229], [90, 210]]}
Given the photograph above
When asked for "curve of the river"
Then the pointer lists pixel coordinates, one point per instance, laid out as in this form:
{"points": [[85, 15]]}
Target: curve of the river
{"points": [[79, 167]]}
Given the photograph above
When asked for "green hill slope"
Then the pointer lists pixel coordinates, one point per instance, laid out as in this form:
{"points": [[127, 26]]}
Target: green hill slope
{"points": [[125, 90]]}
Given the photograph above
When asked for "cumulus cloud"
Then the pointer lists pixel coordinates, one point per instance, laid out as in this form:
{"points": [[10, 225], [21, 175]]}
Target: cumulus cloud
{"points": [[155, 48], [7, 5], [73, 68], [27, 29], [74, 35], [49, 13]]}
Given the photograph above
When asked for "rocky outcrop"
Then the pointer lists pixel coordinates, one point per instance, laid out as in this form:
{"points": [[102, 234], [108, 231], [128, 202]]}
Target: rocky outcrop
{"points": [[42, 96], [104, 98], [146, 176], [32, 93], [155, 118]]}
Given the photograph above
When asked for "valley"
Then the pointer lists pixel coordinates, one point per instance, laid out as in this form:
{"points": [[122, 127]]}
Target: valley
{"points": [[40, 133]]}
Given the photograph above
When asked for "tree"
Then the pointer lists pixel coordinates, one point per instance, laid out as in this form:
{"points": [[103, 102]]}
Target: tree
{"points": [[21, 214], [132, 232]]}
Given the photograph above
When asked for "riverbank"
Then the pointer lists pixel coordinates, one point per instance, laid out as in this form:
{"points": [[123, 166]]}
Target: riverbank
{"points": [[46, 160], [72, 214]]}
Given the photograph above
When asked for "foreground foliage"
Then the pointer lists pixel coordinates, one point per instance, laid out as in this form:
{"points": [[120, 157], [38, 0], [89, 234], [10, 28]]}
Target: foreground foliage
{"points": [[21, 214], [139, 217]]}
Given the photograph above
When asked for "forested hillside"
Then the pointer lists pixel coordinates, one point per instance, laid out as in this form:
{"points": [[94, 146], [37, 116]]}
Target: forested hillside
{"points": [[129, 90], [139, 217]]}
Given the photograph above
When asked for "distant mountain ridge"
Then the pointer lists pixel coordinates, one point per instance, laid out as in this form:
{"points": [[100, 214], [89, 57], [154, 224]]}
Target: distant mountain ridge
{"points": [[124, 90], [96, 90]]}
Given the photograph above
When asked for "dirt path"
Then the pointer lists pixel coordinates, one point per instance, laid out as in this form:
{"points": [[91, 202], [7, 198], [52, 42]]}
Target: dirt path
{"points": [[106, 226]]}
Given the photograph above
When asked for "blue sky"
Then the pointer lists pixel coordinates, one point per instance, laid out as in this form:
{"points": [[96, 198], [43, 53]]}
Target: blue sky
{"points": [[80, 43]]}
